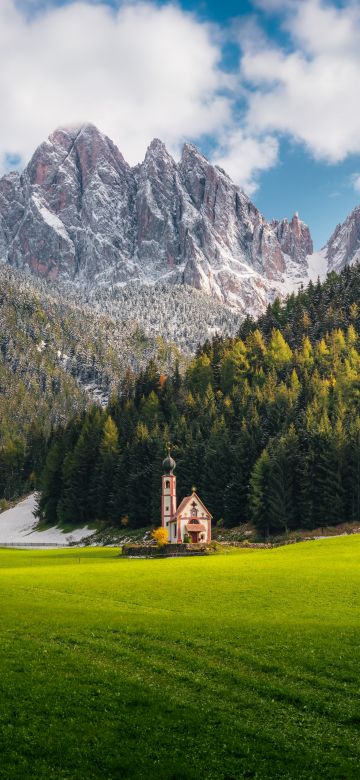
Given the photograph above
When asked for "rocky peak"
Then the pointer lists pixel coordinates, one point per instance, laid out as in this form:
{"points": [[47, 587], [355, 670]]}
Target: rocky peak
{"points": [[157, 161], [80, 212], [191, 155], [157, 149], [294, 238], [343, 246]]}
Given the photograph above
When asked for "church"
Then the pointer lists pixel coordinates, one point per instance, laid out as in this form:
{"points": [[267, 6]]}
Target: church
{"points": [[190, 521]]}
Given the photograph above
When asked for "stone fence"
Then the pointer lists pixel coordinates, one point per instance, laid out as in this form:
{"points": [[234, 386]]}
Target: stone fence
{"points": [[166, 551]]}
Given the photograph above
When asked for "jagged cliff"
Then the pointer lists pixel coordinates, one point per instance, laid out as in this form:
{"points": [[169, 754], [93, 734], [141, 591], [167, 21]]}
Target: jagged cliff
{"points": [[80, 212], [343, 248]]}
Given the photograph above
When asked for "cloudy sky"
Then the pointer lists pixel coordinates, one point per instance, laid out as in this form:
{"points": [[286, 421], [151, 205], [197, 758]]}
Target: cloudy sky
{"points": [[268, 89]]}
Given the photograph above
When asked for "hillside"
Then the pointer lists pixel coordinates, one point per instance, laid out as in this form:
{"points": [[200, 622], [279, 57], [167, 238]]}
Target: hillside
{"points": [[314, 310], [55, 358], [181, 315]]}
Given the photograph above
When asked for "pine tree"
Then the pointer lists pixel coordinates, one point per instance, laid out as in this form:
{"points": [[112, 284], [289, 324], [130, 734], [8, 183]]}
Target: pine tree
{"points": [[140, 478], [282, 486], [106, 468], [79, 499], [352, 471], [51, 484], [259, 493], [244, 453], [217, 469]]}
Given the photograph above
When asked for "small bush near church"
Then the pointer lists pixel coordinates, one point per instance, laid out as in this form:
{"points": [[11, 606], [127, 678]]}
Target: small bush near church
{"points": [[161, 536]]}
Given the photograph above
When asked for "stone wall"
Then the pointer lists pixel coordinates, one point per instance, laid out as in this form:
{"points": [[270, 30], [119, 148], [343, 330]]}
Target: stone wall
{"points": [[166, 551]]}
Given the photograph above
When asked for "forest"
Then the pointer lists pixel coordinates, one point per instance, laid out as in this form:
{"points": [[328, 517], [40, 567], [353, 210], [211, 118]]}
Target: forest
{"points": [[265, 425], [56, 358]]}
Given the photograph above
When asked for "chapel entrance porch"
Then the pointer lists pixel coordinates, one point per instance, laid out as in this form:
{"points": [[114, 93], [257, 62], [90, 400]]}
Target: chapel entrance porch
{"points": [[196, 531]]}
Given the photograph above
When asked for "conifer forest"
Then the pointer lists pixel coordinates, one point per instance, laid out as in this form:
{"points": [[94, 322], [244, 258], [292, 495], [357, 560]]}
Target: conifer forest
{"points": [[266, 425]]}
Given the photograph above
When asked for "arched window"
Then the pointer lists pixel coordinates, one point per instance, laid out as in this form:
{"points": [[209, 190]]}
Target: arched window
{"points": [[167, 483], [193, 510]]}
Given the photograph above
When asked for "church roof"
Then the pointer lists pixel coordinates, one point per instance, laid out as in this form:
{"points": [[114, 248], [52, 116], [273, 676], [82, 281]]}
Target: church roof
{"points": [[183, 504]]}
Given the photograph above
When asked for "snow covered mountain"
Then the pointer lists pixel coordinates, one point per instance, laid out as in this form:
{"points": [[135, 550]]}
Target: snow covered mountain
{"points": [[80, 215], [79, 212], [343, 248]]}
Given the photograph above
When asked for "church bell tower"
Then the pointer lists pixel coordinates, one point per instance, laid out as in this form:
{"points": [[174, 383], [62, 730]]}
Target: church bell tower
{"points": [[168, 499]]}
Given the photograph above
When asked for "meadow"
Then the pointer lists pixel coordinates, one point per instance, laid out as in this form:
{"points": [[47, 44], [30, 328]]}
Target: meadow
{"points": [[237, 665]]}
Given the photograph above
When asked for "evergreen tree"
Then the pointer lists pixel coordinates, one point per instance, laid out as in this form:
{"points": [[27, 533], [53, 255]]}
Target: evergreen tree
{"points": [[78, 503], [259, 494], [51, 484], [106, 468], [282, 486], [217, 469], [140, 478], [352, 471]]}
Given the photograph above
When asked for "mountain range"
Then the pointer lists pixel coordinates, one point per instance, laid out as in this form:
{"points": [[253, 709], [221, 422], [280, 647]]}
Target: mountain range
{"points": [[80, 216]]}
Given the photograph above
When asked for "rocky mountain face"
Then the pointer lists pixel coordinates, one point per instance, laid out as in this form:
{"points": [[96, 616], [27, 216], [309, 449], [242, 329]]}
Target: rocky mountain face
{"points": [[80, 213], [294, 238], [343, 248]]}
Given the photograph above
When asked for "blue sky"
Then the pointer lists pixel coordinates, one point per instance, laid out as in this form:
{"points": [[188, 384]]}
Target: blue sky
{"points": [[268, 89]]}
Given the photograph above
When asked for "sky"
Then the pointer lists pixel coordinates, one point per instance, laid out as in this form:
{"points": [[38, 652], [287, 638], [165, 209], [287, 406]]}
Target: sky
{"points": [[267, 89]]}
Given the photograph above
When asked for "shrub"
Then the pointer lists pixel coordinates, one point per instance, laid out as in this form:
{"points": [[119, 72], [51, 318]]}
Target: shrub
{"points": [[160, 535]]}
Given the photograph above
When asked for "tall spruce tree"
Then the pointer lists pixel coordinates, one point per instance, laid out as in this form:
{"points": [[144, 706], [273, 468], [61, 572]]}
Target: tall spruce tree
{"points": [[106, 468]]}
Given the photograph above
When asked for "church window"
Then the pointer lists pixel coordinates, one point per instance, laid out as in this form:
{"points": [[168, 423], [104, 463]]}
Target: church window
{"points": [[167, 483], [193, 510]]}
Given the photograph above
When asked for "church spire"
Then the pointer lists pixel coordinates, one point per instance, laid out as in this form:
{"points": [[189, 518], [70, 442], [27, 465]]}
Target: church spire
{"points": [[169, 463]]}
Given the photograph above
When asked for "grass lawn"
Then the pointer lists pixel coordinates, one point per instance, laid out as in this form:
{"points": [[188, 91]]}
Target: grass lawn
{"points": [[231, 666]]}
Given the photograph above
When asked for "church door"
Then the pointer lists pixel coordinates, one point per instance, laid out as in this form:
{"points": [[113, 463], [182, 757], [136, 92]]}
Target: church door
{"points": [[194, 536]]}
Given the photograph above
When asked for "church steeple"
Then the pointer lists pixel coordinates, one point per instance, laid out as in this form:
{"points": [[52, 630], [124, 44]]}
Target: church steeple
{"points": [[168, 500], [168, 464]]}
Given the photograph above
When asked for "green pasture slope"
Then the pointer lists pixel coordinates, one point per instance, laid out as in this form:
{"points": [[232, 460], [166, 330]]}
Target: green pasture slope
{"points": [[231, 666]]}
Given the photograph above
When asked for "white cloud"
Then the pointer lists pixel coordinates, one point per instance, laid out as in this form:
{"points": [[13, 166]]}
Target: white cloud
{"points": [[310, 90], [139, 72], [355, 181], [147, 70], [245, 156]]}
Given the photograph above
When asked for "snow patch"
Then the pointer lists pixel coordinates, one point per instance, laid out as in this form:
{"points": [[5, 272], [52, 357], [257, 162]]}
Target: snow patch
{"points": [[17, 527], [51, 219], [317, 265]]}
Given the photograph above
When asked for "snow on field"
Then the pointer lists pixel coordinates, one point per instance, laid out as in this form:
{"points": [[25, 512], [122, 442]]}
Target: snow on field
{"points": [[17, 528]]}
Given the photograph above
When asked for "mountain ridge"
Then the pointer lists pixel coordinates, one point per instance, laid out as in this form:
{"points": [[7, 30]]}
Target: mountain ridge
{"points": [[80, 213]]}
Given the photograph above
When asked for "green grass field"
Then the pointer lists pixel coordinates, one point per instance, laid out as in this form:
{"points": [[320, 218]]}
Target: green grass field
{"points": [[230, 666]]}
